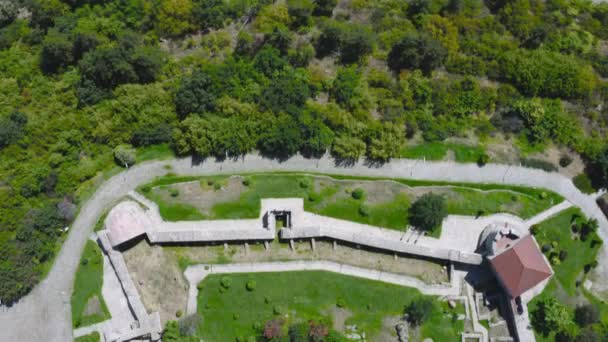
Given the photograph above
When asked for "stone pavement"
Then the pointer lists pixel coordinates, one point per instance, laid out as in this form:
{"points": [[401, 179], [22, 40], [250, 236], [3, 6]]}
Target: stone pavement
{"points": [[45, 313], [554, 210]]}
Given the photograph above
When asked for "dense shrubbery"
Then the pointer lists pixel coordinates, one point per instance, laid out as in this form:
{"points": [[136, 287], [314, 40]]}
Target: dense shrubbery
{"points": [[79, 78]]}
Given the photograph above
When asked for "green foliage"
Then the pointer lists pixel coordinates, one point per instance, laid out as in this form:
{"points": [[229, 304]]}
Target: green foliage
{"points": [[583, 183], [250, 285], [358, 193], [300, 12], [545, 73], [124, 155], [417, 51], [587, 314], [539, 164], [419, 310], [11, 128], [195, 94], [428, 211], [352, 42], [56, 52], [348, 89], [550, 315], [226, 282]]}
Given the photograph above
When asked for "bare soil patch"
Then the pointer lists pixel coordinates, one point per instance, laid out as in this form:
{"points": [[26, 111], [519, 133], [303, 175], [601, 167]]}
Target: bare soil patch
{"points": [[93, 307], [388, 332], [553, 154], [339, 317], [158, 279], [425, 270]]}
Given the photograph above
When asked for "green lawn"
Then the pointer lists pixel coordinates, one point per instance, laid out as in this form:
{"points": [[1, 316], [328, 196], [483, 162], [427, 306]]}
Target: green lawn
{"points": [[93, 337], [438, 151], [87, 284], [308, 295], [563, 285], [580, 253], [332, 198]]}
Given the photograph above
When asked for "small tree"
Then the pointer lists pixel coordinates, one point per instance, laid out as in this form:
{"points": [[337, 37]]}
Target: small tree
{"points": [[483, 159], [358, 193], [550, 315], [587, 314], [428, 211], [226, 282], [419, 310], [250, 285], [124, 155]]}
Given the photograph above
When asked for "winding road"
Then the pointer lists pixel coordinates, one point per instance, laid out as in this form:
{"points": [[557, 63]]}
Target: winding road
{"points": [[45, 313]]}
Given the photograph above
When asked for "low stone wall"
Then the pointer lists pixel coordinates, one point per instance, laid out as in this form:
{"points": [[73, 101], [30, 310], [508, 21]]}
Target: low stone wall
{"points": [[149, 325]]}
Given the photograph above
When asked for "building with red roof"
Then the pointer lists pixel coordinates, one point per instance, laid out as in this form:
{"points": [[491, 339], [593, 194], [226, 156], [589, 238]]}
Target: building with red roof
{"points": [[520, 267]]}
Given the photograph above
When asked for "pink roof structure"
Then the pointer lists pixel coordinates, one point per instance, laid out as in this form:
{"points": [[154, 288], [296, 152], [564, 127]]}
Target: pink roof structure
{"points": [[521, 267], [125, 222]]}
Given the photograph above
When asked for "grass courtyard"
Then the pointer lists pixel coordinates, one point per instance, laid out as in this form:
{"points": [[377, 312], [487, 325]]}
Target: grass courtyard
{"points": [[385, 202], [88, 306], [234, 312], [565, 285]]}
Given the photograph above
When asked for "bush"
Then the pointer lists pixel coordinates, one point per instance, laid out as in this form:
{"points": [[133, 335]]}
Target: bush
{"points": [[538, 164], [428, 211], [419, 310], [304, 183], [236, 316], [145, 189], [250, 285], [358, 193], [313, 196], [226, 282], [246, 182], [179, 313], [533, 72], [587, 314], [565, 160], [563, 255], [542, 195], [364, 210], [534, 229], [124, 155], [217, 186], [550, 315], [583, 183], [546, 248], [174, 192], [340, 303], [483, 159], [277, 310]]}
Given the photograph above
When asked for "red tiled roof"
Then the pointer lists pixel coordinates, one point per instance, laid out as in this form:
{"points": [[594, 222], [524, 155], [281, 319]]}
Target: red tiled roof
{"points": [[521, 267]]}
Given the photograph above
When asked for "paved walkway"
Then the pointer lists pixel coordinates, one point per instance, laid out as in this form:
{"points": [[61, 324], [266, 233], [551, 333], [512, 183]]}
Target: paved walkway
{"points": [[554, 210], [45, 314], [195, 274]]}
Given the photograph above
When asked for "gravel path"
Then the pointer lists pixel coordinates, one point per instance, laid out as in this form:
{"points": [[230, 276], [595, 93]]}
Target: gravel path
{"points": [[44, 315]]}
